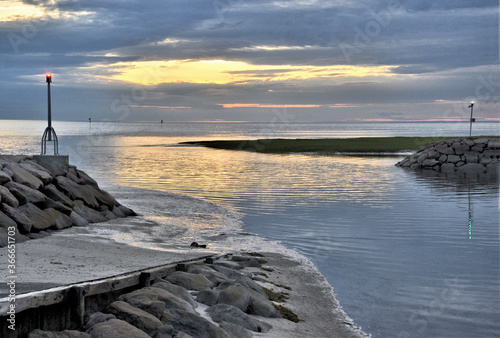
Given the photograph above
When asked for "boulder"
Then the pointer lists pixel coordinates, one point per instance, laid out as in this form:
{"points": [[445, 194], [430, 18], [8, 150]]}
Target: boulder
{"points": [[460, 148], [176, 290], [6, 221], [153, 294], [61, 334], [50, 203], [135, 316], [166, 331], [23, 176], [214, 276], [37, 170], [471, 157], [208, 296], [231, 314], [116, 328], [7, 197], [25, 194], [189, 281], [60, 220], [234, 330], [101, 197], [237, 296], [4, 178], [4, 238], [52, 192], [78, 220], [453, 159], [96, 318], [76, 192], [430, 163], [86, 178], [444, 149], [41, 220], [24, 223], [195, 325], [91, 215], [494, 143]]}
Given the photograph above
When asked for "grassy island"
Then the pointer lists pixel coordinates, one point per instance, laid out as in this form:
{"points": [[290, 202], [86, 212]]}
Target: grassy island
{"points": [[328, 146]]}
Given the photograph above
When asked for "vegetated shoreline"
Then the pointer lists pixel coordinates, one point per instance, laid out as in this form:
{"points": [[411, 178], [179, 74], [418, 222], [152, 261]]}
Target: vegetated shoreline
{"points": [[330, 146]]}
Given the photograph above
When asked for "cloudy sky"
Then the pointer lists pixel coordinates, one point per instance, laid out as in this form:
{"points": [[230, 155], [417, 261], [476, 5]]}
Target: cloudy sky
{"points": [[248, 60]]}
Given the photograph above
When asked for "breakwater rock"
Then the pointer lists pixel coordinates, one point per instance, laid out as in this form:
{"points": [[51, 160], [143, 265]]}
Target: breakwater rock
{"points": [[38, 195], [221, 297], [464, 157]]}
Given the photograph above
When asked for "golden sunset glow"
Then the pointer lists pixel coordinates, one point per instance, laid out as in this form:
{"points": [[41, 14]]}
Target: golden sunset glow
{"points": [[259, 105], [234, 72], [15, 10]]}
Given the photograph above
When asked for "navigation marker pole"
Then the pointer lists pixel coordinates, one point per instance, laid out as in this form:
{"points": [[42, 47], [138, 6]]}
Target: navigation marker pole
{"points": [[471, 106], [49, 133]]}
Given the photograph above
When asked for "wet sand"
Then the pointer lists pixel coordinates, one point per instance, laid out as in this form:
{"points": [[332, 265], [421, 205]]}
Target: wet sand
{"points": [[106, 249]]}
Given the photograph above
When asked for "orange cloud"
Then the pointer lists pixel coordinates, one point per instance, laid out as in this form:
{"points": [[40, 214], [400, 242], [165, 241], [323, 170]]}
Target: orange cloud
{"points": [[259, 105]]}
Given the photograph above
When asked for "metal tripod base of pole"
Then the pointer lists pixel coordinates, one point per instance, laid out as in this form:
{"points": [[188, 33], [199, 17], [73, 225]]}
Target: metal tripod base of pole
{"points": [[50, 135]]}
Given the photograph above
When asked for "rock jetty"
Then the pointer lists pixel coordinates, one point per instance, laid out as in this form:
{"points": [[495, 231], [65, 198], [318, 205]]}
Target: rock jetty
{"points": [[36, 196], [221, 297], [464, 157]]}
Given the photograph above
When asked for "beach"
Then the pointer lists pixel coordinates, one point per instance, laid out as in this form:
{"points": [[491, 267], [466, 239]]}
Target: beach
{"points": [[112, 248]]}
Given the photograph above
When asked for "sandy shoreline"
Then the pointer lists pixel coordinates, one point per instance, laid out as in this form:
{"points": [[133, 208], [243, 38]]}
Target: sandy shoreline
{"points": [[115, 247]]}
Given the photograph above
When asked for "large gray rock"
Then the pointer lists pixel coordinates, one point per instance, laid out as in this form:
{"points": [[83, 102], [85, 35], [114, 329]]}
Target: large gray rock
{"points": [[116, 328], [6, 221], [24, 223], [444, 149], [460, 148], [179, 291], [471, 157], [237, 296], [78, 220], [494, 143], [61, 334], [41, 220], [195, 325], [4, 240], [135, 316], [23, 176], [25, 194], [231, 314], [212, 275], [7, 197], [234, 330], [96, 318], [86, 178], [91, 215], [60, 220], [37, 170], [208, 296], [448, 168], [76, 192], [4, 178], [52, 192], [154, 294], [189, 281], [102, 197], [453, 159], [50, 203]]}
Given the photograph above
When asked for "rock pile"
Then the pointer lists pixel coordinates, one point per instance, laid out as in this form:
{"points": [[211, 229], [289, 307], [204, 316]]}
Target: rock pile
{"points": [[218, 298], [35, 197], [465, 156]]}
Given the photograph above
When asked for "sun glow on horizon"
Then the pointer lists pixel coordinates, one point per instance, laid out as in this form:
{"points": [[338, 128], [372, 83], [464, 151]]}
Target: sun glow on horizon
{"points": [[232, 72]]}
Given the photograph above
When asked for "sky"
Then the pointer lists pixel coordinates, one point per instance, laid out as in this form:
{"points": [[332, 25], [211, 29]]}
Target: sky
{"points": [[250, 60]]}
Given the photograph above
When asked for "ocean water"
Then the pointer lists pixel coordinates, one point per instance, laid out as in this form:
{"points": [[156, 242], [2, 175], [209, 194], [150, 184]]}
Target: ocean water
{"points": [[407, 255]]}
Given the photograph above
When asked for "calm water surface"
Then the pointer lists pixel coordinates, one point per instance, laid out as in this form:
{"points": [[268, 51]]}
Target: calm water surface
{"points": [[399, 248]]}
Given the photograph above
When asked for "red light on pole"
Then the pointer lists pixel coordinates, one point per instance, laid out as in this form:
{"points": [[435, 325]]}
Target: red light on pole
{"points": [[48, 77]]}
